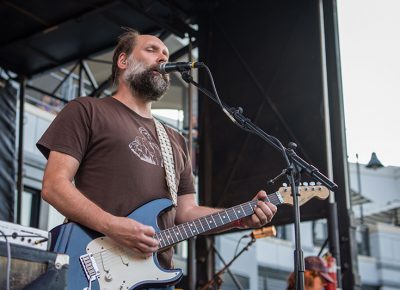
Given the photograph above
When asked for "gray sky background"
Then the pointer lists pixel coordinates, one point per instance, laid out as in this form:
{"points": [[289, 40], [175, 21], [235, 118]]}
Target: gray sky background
{"points": [[370, 55]]}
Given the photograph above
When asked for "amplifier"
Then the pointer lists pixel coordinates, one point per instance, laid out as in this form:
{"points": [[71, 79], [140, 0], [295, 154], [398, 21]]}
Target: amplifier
{"points": [[33, 269], [25, 236]]}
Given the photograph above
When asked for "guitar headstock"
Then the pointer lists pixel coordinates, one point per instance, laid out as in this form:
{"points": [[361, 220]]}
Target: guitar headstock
{"points": [[307, 192]]}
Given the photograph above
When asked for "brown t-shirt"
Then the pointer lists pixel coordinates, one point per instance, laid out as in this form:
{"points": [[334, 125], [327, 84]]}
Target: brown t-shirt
{"points": [[120, 158]]}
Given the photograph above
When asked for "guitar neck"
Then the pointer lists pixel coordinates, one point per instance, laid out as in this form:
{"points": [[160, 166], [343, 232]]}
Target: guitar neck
{"points": [[211, 222]]}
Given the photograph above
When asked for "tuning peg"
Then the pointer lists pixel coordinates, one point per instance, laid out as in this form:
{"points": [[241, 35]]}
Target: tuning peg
{"points": [[312, 183], [284, 184], [305, 183]]}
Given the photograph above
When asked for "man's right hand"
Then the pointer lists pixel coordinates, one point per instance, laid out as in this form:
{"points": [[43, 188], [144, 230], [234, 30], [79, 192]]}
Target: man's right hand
{"points": [[132, 235]]}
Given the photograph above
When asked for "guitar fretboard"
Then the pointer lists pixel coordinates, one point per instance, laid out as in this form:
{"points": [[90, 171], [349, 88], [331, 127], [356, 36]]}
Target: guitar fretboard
{"points": [[208, 223]]}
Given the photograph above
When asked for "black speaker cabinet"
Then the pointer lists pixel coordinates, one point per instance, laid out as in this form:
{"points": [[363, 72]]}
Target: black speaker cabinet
{"points": [[33, 269]]}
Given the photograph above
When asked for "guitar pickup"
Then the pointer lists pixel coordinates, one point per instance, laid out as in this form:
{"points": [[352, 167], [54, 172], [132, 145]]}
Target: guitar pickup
{"points": [[90, 267]]}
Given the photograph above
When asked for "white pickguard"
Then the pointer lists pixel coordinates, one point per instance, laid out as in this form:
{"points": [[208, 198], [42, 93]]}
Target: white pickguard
{"points": [[121, 269]]}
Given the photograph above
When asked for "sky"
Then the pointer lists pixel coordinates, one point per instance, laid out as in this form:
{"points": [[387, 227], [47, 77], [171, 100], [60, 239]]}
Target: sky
{"points": [[369, 32]]}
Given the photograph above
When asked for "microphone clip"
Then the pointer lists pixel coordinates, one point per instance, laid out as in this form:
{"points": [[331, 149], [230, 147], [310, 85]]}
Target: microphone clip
{"points": [[186, 76]]}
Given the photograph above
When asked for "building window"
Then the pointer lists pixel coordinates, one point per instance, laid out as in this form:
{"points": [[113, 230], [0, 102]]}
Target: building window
{"points": [[369, 287], [362, 238], [282, 233], [30, 207], [320, 232], [229, 284], [271, 279]]}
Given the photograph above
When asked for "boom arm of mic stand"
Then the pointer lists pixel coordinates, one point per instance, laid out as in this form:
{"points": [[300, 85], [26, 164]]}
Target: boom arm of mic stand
{"points": [[245, 123]]}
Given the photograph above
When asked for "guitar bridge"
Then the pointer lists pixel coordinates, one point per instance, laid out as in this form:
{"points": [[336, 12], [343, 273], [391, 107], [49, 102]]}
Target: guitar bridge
{"points": [[90, 267], [280, 198]]}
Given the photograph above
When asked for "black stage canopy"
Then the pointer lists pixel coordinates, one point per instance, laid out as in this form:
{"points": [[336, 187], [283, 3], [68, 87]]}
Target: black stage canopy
{"points": [[40, 35]]}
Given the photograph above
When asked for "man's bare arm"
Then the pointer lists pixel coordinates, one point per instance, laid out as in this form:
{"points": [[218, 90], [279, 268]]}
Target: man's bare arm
{"points": [[59, 191]]}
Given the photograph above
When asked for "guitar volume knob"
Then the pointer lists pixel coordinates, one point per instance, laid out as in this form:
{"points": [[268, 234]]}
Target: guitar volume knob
{"points": [[108, 277]]}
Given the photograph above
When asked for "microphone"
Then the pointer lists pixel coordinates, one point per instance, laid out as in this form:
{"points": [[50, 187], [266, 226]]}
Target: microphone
{"points": [[167, 67], [263, 232]]}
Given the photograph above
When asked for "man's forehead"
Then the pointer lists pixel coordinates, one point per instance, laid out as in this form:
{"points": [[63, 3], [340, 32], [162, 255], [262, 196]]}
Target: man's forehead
{"points": [[151, 39]]}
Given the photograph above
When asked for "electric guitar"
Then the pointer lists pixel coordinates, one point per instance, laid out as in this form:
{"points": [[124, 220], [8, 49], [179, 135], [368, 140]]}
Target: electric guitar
{"points": [[96, 262]]}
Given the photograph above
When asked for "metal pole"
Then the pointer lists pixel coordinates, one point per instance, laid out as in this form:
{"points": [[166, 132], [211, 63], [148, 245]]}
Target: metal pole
{"points": [[192, 241], [65, 78], [345, 217], [20, 183], [332, 210], [334, 243], [364, 230], [359, 191]]}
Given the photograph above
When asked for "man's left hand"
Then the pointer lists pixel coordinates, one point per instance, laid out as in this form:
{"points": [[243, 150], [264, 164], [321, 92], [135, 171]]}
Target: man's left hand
{"points": [[263, 213]]}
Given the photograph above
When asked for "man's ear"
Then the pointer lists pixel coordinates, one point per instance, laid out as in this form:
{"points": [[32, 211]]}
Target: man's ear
{"points": [[122, 61]]}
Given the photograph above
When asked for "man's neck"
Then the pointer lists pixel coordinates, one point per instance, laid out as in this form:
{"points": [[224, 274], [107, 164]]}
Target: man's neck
{"points": [[125, 96]]}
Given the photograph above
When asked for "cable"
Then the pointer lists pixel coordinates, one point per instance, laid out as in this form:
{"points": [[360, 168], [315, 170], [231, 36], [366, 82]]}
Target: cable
{"points": [[238, 243], [8, 266]]}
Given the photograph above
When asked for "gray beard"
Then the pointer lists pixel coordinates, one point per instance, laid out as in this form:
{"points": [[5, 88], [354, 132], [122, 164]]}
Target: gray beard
{"points": [[143, 83]]}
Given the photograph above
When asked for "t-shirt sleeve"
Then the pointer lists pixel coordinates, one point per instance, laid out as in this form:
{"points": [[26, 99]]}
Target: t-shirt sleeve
{"points": [[69, 133]]}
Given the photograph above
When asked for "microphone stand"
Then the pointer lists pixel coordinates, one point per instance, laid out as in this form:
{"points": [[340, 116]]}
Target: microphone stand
{"points": [[295, 164]]}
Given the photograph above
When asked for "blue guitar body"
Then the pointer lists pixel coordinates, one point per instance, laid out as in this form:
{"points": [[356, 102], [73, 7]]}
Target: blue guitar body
{"points": [[98, 263]]}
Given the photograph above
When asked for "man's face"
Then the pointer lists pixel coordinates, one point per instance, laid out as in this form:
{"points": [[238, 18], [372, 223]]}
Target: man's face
{"points": [[141, 74]]}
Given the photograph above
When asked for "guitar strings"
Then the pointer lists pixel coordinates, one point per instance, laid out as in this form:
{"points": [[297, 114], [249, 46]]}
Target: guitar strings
{"points": [[112, 256]]}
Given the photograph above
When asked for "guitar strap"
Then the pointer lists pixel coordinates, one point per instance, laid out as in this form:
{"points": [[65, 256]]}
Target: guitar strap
{"points": [[168, 160]]}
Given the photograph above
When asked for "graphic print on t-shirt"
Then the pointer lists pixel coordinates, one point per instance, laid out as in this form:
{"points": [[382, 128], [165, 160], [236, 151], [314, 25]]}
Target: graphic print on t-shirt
{"points": [[146, 148]]}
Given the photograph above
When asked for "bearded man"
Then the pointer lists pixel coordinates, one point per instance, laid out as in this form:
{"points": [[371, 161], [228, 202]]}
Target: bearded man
{"points": [[104, 159]]}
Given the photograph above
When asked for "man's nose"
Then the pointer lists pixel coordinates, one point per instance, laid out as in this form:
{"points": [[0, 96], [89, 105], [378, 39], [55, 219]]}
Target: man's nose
{"points": [[162, 58]]}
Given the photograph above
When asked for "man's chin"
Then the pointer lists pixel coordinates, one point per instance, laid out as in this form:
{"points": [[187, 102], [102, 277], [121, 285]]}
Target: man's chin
{"points": [[155, 99], [149, 96], [150, 87], [156, 96]]}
